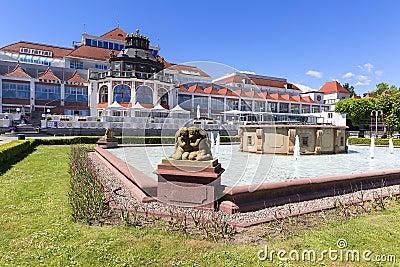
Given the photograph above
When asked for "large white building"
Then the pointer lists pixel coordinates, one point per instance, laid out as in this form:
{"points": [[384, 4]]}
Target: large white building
{"points": [[116, 73]]}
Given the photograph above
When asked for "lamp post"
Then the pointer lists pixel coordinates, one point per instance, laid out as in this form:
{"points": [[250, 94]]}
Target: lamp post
{"points": [[376, 112]]}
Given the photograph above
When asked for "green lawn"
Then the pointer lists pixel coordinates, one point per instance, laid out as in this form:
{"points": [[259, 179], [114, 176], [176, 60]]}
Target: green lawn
{"points": [[36, 230]]}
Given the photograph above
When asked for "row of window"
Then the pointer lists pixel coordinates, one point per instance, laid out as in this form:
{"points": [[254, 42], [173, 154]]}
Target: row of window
{"points": [[185, 101], [44, 92], [34, 61], [104, 44], [76, 112], [122, 94], [101, 67], [36, 52], [76, 65]]}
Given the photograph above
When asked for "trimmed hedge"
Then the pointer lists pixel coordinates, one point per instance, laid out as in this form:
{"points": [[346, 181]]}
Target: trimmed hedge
{"points": [[378, 141], [11, 150], [14, 149]]}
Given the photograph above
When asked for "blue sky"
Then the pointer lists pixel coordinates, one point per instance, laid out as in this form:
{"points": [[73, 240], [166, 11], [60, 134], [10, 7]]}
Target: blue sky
{"points": [[308, 42]]}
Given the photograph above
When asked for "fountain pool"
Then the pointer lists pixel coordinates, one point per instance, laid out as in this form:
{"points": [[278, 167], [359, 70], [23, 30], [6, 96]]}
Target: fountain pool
{"points": [[242, 168]]}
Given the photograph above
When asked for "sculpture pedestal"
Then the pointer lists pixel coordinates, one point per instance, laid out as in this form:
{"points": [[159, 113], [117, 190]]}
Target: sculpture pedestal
{"points": [[189, 183], [107, 142]]}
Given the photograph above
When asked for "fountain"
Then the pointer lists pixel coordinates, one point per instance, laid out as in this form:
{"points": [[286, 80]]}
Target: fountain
{"points": [[217, 144], [212, 142], [296, 151], [372, 148], [391, 146]]}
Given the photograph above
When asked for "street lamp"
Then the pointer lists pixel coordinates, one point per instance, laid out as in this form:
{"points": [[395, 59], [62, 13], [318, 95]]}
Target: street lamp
{"points": [[376, 112]]}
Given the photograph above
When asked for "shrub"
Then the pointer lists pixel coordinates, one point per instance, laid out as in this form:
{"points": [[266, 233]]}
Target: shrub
{"points": [[378, 141], [86, 193], [14, 149]]}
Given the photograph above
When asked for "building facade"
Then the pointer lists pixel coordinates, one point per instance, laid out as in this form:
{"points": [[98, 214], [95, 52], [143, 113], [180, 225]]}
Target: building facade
{"points": [[116, 73]]}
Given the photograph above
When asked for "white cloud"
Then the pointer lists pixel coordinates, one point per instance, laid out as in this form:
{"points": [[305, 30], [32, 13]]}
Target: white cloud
{"points": [[314, 73], [348, 75], [378, 73], [363, 80], [366, 67], [247, 72], [304, 88]]}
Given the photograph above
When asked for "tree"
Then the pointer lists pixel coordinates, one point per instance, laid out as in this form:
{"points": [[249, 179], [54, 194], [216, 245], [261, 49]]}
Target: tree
{"points": [[350, 88], [357, 110], [384, 87]]}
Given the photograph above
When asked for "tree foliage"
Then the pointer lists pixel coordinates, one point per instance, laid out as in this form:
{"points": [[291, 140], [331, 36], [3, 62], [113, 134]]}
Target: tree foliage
{"points": [[350, 88], [357, 110], [383, 87]]}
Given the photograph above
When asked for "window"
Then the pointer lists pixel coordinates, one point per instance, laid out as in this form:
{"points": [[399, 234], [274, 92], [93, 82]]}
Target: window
{"points": [[272, 106], [250, 141], [76, 65], [245, 105], [76, 94], [101, 67], [185, 101], [144, 95], [217, 104], [304, 141], [232, 104], [283, 107], [47, 92], [259, 106], [16, 90], [341, 141], [163, 96], [122, 93], [330, 115], [201, 101], [103, 94]]}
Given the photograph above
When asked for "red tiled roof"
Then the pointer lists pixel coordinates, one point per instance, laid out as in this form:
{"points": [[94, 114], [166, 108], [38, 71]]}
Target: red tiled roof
{"points": [[240, 93], [308, 99], [253, 94], [288, 97], [48, 75], [265, 95], [256, 81], [210, 90], [370, 96], [116, 34], [91, 52], [18, 71], [276, 96], [387, 93], [195, 89], [58, 52], [76, 78], [356, 97], [332, 87], [226, 91], [190, 69], [102, 105], [182, 89]]}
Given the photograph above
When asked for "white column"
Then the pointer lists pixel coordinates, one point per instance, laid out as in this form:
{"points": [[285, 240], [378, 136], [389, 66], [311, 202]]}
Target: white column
{"points": [[155, 95], [278, 107], [290, 107], [110, 93], [133, 93], [32, 94], [62, 94], [1, 95], [240, 103], [266, 106], [225, 108], [209, 106]]}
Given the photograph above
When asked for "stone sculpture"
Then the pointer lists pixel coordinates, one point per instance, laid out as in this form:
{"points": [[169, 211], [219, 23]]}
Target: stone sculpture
{"points": [[191, 143]]}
